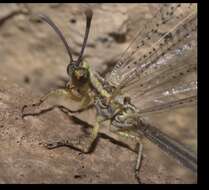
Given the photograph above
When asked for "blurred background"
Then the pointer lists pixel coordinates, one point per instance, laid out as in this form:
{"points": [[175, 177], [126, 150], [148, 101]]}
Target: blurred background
{"points": [[32, 56]]}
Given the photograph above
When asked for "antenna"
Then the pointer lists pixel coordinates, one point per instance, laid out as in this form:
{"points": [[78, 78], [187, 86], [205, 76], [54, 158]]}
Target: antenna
{"points": [[89, 14], [57, 30]]}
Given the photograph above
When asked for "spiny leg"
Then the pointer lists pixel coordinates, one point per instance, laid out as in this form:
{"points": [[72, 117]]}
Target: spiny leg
{"points": [[61, 108], [55, 93], [82, 143], [125, 133]]}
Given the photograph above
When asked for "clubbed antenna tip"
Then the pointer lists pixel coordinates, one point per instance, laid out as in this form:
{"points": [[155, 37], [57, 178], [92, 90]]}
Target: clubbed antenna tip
{"points": [[89, 13]]}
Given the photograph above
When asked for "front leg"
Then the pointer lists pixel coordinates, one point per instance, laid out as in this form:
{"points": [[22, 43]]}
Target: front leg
{"points": [[51, 94], [83, 143], [64, 93]]}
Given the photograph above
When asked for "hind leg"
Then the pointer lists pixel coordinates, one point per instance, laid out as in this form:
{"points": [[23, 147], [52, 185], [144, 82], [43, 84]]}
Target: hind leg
{"points": [[139, 145], [138, 161]]}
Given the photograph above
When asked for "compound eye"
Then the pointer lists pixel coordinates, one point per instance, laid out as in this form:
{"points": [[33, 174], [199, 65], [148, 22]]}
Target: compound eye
{"points": [[70, 69]]}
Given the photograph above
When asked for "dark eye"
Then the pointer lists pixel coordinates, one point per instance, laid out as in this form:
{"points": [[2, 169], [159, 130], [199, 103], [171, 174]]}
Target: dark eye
{"points": [[70, 69]]}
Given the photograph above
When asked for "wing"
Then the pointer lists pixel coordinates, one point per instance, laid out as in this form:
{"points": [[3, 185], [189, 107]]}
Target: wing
{"points": [[159, 67], [169, 145], [149, 40]]}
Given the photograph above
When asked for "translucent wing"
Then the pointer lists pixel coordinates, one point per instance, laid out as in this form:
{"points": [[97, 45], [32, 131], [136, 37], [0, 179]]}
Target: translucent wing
{"points": [[173, 97], [149, 40], [154, 69], [176, 80]]}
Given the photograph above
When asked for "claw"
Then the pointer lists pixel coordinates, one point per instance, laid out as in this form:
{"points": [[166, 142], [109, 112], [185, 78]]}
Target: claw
{"points": [[137, 177]]}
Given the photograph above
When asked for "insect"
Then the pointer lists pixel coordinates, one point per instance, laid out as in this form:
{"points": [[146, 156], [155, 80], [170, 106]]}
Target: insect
{"points": [[147, 78]]}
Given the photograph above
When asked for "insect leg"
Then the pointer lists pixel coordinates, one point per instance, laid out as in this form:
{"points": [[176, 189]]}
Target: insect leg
{"points": [[85, 102], [82, 143], [125, 133], [53, 94], [138, 161], [57, 92]]}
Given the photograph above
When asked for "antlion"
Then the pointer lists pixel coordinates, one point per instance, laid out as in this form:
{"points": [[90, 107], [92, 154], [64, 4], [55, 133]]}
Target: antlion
{"points": [[145, 73]]}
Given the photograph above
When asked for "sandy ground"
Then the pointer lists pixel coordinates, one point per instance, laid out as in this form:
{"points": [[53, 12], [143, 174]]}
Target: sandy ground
{"points": [[33, 61]]}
